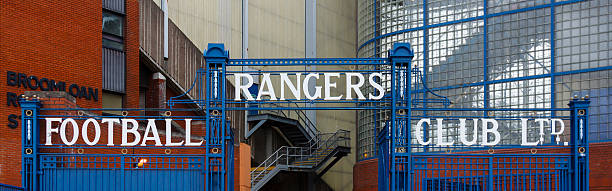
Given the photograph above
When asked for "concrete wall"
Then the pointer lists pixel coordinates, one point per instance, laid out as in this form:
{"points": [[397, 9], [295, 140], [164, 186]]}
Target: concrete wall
{"points": [[336, 37], [203, 23], [276, 30]]}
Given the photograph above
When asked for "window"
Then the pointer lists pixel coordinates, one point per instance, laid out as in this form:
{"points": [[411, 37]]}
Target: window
{"points": [[112, 30], [112, 24], [113, 55], [111, 101]]}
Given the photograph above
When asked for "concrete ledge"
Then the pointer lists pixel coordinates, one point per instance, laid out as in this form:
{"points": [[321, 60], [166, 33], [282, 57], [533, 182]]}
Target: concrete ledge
{"points": [[50, 94]]}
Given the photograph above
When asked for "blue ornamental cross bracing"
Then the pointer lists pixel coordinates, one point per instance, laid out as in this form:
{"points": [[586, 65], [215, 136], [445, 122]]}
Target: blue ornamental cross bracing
{"points": [[425, 144]]}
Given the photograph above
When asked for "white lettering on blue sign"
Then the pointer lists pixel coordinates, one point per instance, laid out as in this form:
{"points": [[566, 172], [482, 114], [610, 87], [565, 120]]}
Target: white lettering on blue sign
{"points": [[129, 130], [489, 129], [353, 82]]}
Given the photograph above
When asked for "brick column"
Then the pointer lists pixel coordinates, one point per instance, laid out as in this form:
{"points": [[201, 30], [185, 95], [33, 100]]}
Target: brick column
{"points": [[242, 176], [157, 93]]}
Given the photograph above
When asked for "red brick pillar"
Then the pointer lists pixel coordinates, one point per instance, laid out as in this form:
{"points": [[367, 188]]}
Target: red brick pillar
{"points": [[157, 93], [242, 167], [58, 102], [365, 175]]}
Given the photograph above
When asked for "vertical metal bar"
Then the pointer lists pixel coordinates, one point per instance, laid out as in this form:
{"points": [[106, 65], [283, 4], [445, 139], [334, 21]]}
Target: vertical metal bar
{"points": [[207, 138], [407, 119], [425, 65], [552, 62], [484, 58], [393, 130], [224, 125]]}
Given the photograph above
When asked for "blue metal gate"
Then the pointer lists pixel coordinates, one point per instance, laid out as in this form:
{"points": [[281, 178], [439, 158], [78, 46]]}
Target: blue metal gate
{"points": [[102, 166], [120, 172], [403, 164]]}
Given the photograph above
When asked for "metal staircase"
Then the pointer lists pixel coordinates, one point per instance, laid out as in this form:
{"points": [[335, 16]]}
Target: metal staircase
{"points": [[296, 127], [310, 157]]}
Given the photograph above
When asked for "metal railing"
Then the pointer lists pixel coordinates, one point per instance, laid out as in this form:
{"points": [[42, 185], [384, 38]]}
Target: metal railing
{"points": [[340, 138], [283, 156], [286, 156], [298, 115], [6, 187]]}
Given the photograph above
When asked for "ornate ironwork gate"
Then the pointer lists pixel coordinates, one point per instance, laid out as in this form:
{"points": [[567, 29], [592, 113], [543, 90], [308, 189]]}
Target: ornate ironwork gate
{"points": [[557, 162], [404, 164], [109, 165]]}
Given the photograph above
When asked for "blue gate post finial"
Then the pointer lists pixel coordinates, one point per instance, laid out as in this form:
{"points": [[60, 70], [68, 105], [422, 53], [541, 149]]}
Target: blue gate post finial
{"points": [[400, 58], [401, 53], [216, 53], [580, 143], [29, 143], [216, 58]]}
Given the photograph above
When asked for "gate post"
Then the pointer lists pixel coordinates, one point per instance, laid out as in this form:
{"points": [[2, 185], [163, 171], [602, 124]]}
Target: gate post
{"points": [[400, 58], [29, 143], [216, 57], [579, 165]]}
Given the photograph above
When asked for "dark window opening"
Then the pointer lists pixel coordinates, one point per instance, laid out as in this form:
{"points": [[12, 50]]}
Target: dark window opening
{"points": [[112, 30], [112, 24]]}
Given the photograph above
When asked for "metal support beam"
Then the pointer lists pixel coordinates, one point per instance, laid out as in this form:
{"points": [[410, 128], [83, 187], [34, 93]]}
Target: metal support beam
{"points": [[336, 159], [252, 130]]}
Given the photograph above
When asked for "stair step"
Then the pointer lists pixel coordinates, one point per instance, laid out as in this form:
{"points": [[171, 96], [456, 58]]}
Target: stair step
{"points": [[262, 168]]}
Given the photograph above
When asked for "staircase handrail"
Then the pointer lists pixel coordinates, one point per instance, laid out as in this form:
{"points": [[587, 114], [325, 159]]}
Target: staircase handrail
{"points": [[304, 121], [276, 159], [336, 138], [332, 141], [287, 155]]}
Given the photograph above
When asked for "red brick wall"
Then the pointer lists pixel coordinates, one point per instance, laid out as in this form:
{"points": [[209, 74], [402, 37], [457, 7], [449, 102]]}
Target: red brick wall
{"points": [[365, 175], [600, 163], [59, 40]]}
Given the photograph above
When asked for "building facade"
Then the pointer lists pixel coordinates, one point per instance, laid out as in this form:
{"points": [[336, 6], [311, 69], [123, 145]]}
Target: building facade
{"points": [[278, 29], [61, 46], [479, 53], [495, 54], [96, 55]]}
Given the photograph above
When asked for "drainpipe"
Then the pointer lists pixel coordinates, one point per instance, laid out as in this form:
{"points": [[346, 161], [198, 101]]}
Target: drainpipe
{"points": [[311, 49], [164, 6], [245, 30], [245, 52]]}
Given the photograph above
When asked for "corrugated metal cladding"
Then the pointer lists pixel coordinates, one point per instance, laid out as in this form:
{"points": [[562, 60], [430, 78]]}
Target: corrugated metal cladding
{"points": [[113, 66], [184, 57], [114, 5]]}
